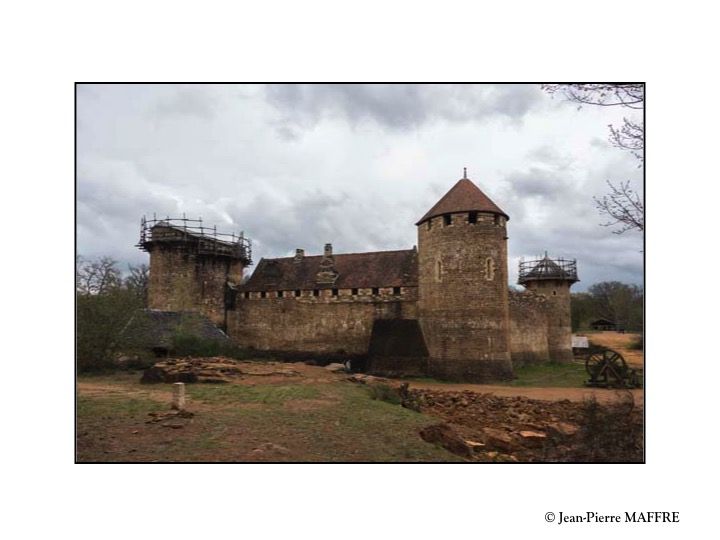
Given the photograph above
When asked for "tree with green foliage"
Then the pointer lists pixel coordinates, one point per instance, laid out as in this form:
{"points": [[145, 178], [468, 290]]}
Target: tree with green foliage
{"points": [[104, 305], [612, 300]]}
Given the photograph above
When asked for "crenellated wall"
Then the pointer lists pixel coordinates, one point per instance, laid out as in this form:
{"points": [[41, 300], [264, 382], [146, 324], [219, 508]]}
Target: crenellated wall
{"points": [[324, 324]]}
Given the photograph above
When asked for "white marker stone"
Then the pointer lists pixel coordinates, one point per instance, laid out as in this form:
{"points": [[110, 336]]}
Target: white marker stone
{"points": [[178, 398]]}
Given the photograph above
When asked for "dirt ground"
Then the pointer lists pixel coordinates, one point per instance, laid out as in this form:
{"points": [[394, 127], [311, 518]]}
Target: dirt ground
{"points": [[620, 343], [602, 395], [274, 411]]}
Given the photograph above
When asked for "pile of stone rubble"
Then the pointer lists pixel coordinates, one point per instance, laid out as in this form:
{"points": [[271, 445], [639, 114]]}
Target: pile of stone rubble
{"points": [[212, 370]]}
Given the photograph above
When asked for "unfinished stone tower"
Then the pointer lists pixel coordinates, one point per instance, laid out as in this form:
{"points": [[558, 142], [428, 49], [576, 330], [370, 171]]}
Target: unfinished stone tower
{"points": [[553, 278], [191, 266], [463, 286]]}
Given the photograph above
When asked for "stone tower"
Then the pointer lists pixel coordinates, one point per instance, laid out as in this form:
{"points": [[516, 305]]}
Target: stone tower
{"points": [[463, 286], [191, 266], [553, 278]]}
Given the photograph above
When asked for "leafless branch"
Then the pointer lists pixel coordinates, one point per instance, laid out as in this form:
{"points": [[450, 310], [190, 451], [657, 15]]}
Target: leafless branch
{"points": [[623, 206]]}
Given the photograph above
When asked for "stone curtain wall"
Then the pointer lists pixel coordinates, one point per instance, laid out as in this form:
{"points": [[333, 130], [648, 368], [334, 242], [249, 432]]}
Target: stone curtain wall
{"points": [[326, 324], [528, 329], [182, 280], [463, 303]]}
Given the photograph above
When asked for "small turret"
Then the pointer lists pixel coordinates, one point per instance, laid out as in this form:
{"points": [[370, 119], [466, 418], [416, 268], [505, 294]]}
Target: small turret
{"points": [[553, 278]]}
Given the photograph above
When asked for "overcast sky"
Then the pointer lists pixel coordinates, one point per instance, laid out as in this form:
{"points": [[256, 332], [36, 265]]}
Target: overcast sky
{"points": [[356, 165]]}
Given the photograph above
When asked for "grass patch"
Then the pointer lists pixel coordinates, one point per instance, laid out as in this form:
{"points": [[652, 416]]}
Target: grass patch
{"points": [[550, 374], [384, 392], [266, 394], [116, 406], [339, 422]]}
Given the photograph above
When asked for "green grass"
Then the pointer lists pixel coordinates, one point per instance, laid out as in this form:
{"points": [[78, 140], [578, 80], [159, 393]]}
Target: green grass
{"points": [[116, 406], [550, 374], [338, 422], [266, 394]]}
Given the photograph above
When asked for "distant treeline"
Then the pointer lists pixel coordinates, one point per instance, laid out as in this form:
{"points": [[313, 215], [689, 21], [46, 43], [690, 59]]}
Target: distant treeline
{"points": [[617, 302]]}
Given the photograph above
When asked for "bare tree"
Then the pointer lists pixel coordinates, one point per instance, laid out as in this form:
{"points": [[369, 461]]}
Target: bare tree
{"points": [[96, 276], [622, 205], [137, 281]]}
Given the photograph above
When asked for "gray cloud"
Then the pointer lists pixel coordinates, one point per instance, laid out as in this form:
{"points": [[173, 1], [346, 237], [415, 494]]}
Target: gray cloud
{"points": [[396, 106], [357, 166]]}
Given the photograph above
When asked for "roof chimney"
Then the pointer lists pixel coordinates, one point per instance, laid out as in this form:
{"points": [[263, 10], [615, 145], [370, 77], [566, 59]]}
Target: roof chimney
{"points": [[299, 254], [328, 250]]}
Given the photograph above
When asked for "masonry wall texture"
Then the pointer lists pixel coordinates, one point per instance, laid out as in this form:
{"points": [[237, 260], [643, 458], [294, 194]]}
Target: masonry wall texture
{"points": [[327, 324], [182, 280], [464, 296], [528, 329], [443, 308], [557, 315]]}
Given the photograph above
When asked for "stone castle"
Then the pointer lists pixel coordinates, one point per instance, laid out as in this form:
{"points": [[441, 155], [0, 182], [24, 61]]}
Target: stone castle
{"points": [[442, 309]]}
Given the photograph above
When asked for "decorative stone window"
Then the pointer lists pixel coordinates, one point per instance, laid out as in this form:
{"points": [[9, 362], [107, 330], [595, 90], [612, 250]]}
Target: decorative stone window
{"points": [[297, 292], [376, 290], [334, 292], [354, 292], [489, 269], [247, 294], [472, 217], [316, 292], [280, 294], [447, 220], [263, 294], [396, 291]]}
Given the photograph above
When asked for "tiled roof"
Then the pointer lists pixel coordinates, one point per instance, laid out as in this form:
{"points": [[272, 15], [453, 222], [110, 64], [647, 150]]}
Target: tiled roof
{"points": [[355, 270], [463, 197]]}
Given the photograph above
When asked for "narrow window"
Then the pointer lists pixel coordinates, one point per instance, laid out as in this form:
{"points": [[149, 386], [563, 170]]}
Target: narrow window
{"points": [[396, 291], [263, 294], [375, 290], [429, 224], [554, 293], [316, 292], [297, 292], [498, 220], [280, 294], [447, 219], [334, 292], [489, 269], [354, 292], [247, 294], [438, 271], [472, 217]]}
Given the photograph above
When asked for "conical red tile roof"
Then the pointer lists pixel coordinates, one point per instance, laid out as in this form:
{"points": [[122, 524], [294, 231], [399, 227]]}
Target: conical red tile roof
{"points": [[463, 197]]}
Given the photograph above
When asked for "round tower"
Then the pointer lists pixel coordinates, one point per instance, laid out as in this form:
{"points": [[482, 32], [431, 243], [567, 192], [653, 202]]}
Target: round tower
{"points": [[553, 278], [463, 286]]}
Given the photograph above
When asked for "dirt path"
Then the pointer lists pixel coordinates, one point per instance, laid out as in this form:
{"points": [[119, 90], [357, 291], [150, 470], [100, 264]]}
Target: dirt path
{"points": [[547, 394], [620, 343]]}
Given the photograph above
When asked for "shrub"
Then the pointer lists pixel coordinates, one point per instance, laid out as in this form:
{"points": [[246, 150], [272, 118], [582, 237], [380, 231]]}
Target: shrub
{"points": [[385, 392], [610, 433], [188, 344]]}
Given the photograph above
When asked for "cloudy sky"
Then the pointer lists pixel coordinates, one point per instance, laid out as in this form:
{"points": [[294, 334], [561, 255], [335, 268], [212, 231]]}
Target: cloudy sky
{"points": [[356, 165]]}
